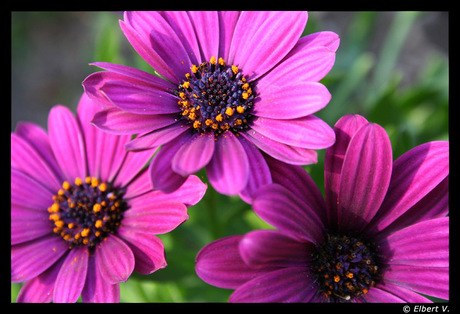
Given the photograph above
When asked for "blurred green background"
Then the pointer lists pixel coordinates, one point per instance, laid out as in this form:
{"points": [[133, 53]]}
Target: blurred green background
{"points": [[391, 67]]}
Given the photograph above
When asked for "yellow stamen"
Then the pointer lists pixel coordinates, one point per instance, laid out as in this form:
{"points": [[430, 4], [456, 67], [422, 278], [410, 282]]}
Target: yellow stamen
{"points": [[336, 278], [85, 232], [221, 61], [229, 111], [88, 180], [59, 223], [65, 185], [98, 224], [349, 275], [54, 217], [240, 109], [219, 118], [245, 95], [234, 69], [196, 124], [71, 225], [54, 208], [213, 60], [194, 68], [208, 122], [186, 84], [94, 182], [103, 187], [97, 207]]}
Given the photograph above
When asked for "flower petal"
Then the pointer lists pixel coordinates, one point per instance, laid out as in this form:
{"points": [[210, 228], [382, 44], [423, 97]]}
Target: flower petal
{"points": [[389, 292], [262, 39], [415, 174], [227, 23], [114, 259], [288, 100], [67, 142], [219, 264], [146, 215], [228, 169], [422, 244], [156, 138], [194, 154], [344, 130], [306, 132], [148, 250], [96, 289], [281, 208], [206, 23], [72, 276], [32, 258], [365, 177], [292, 284]]}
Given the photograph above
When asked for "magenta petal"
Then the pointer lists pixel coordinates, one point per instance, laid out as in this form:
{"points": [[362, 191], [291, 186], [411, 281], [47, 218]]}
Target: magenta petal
{"points": [[132, 165], [389, 292], [32, 258], [227, 23], [365, 177], [262, 39], [344, 130], [292, 284], [291, 101], [219, 264], [194, 154], [415, 174], [148, 250], [206, 23], [72, 276], [432, 281], [96, 289], [114, 259], [228, 169], [67, 142], [271, 247], [147, 215], [281, 208], [306, 132], [422, 244], [156, 138]]}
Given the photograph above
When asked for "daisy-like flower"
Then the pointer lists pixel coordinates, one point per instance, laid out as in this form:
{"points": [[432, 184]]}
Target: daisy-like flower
{"points": [[83, 213], [381, 235], [232, 83]]}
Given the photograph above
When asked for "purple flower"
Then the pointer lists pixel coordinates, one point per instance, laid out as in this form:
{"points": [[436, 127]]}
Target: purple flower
{"points": [[83, 214], [234, 83], [382, 234]]}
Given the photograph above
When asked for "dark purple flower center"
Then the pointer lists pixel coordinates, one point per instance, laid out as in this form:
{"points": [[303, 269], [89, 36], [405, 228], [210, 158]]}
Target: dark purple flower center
{"points": [[345, 267], [216, 97], [85, 212]]}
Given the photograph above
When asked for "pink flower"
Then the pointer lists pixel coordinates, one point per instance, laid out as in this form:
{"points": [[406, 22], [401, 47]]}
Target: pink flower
{"points": [[83, 214], [382, 234], [234, 83]]}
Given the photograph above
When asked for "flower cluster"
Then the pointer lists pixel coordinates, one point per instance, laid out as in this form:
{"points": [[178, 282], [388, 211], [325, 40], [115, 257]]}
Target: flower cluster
{"points": [[234, 93]]}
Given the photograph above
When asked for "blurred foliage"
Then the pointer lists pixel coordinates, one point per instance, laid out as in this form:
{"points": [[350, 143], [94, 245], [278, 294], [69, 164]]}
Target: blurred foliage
{"points": [[361, 82]]}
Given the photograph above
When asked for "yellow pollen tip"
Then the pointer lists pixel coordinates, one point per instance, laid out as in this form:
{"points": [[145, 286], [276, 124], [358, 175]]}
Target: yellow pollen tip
{"points": [[229, 111], [54, 217], [97, 207], [221, 61], [194, 68], [94, 182], [349, 275], [245, 95], [59, 223], [88, 180], [219, 118], [208, 122], [196, 124], [54, 208], [336, 278], [78, 181], [65, 185], [85, 232], [234, 69], [103, 187], [245, 86], [240, 109], [98, 224], [60, 192], [71, 225], [213, 60], [186, 84]]}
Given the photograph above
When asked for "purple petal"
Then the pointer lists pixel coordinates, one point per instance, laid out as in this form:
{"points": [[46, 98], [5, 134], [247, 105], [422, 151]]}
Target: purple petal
{"points": [[206, 24], [259, 173], [114, 259], [262, 39], [271, 247], [133, 163], [157, 138], [285, 153], [432, 281], [161, 174], [415, 174], [389, 292], [72, 276], [228, 169], [365, 177], [377, 295], [25, 158], [148, 250], [292, 284], [344, 130], [227, 23], [281, 208], [67, 142], [326, 39], [306, 132], [219, 264], [32, 258], [291, 100], [40, 289], [96, 289], [114, 120], [194, 154], [422, 244]]}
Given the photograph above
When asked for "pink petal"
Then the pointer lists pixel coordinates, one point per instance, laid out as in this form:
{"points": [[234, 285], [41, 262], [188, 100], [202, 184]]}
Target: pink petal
{"points": [[262, 39], [194, 154], [114, 259], [67, 141], [157, 138], [365, 177], [72, 276], [227, 23], [96, 289], [389, 292], [206, 24], [228, 169]]}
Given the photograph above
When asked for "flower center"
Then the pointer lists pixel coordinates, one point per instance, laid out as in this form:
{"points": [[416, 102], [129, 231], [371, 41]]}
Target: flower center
{"points": [[216, 97], [346, 267], [86, 212]]}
